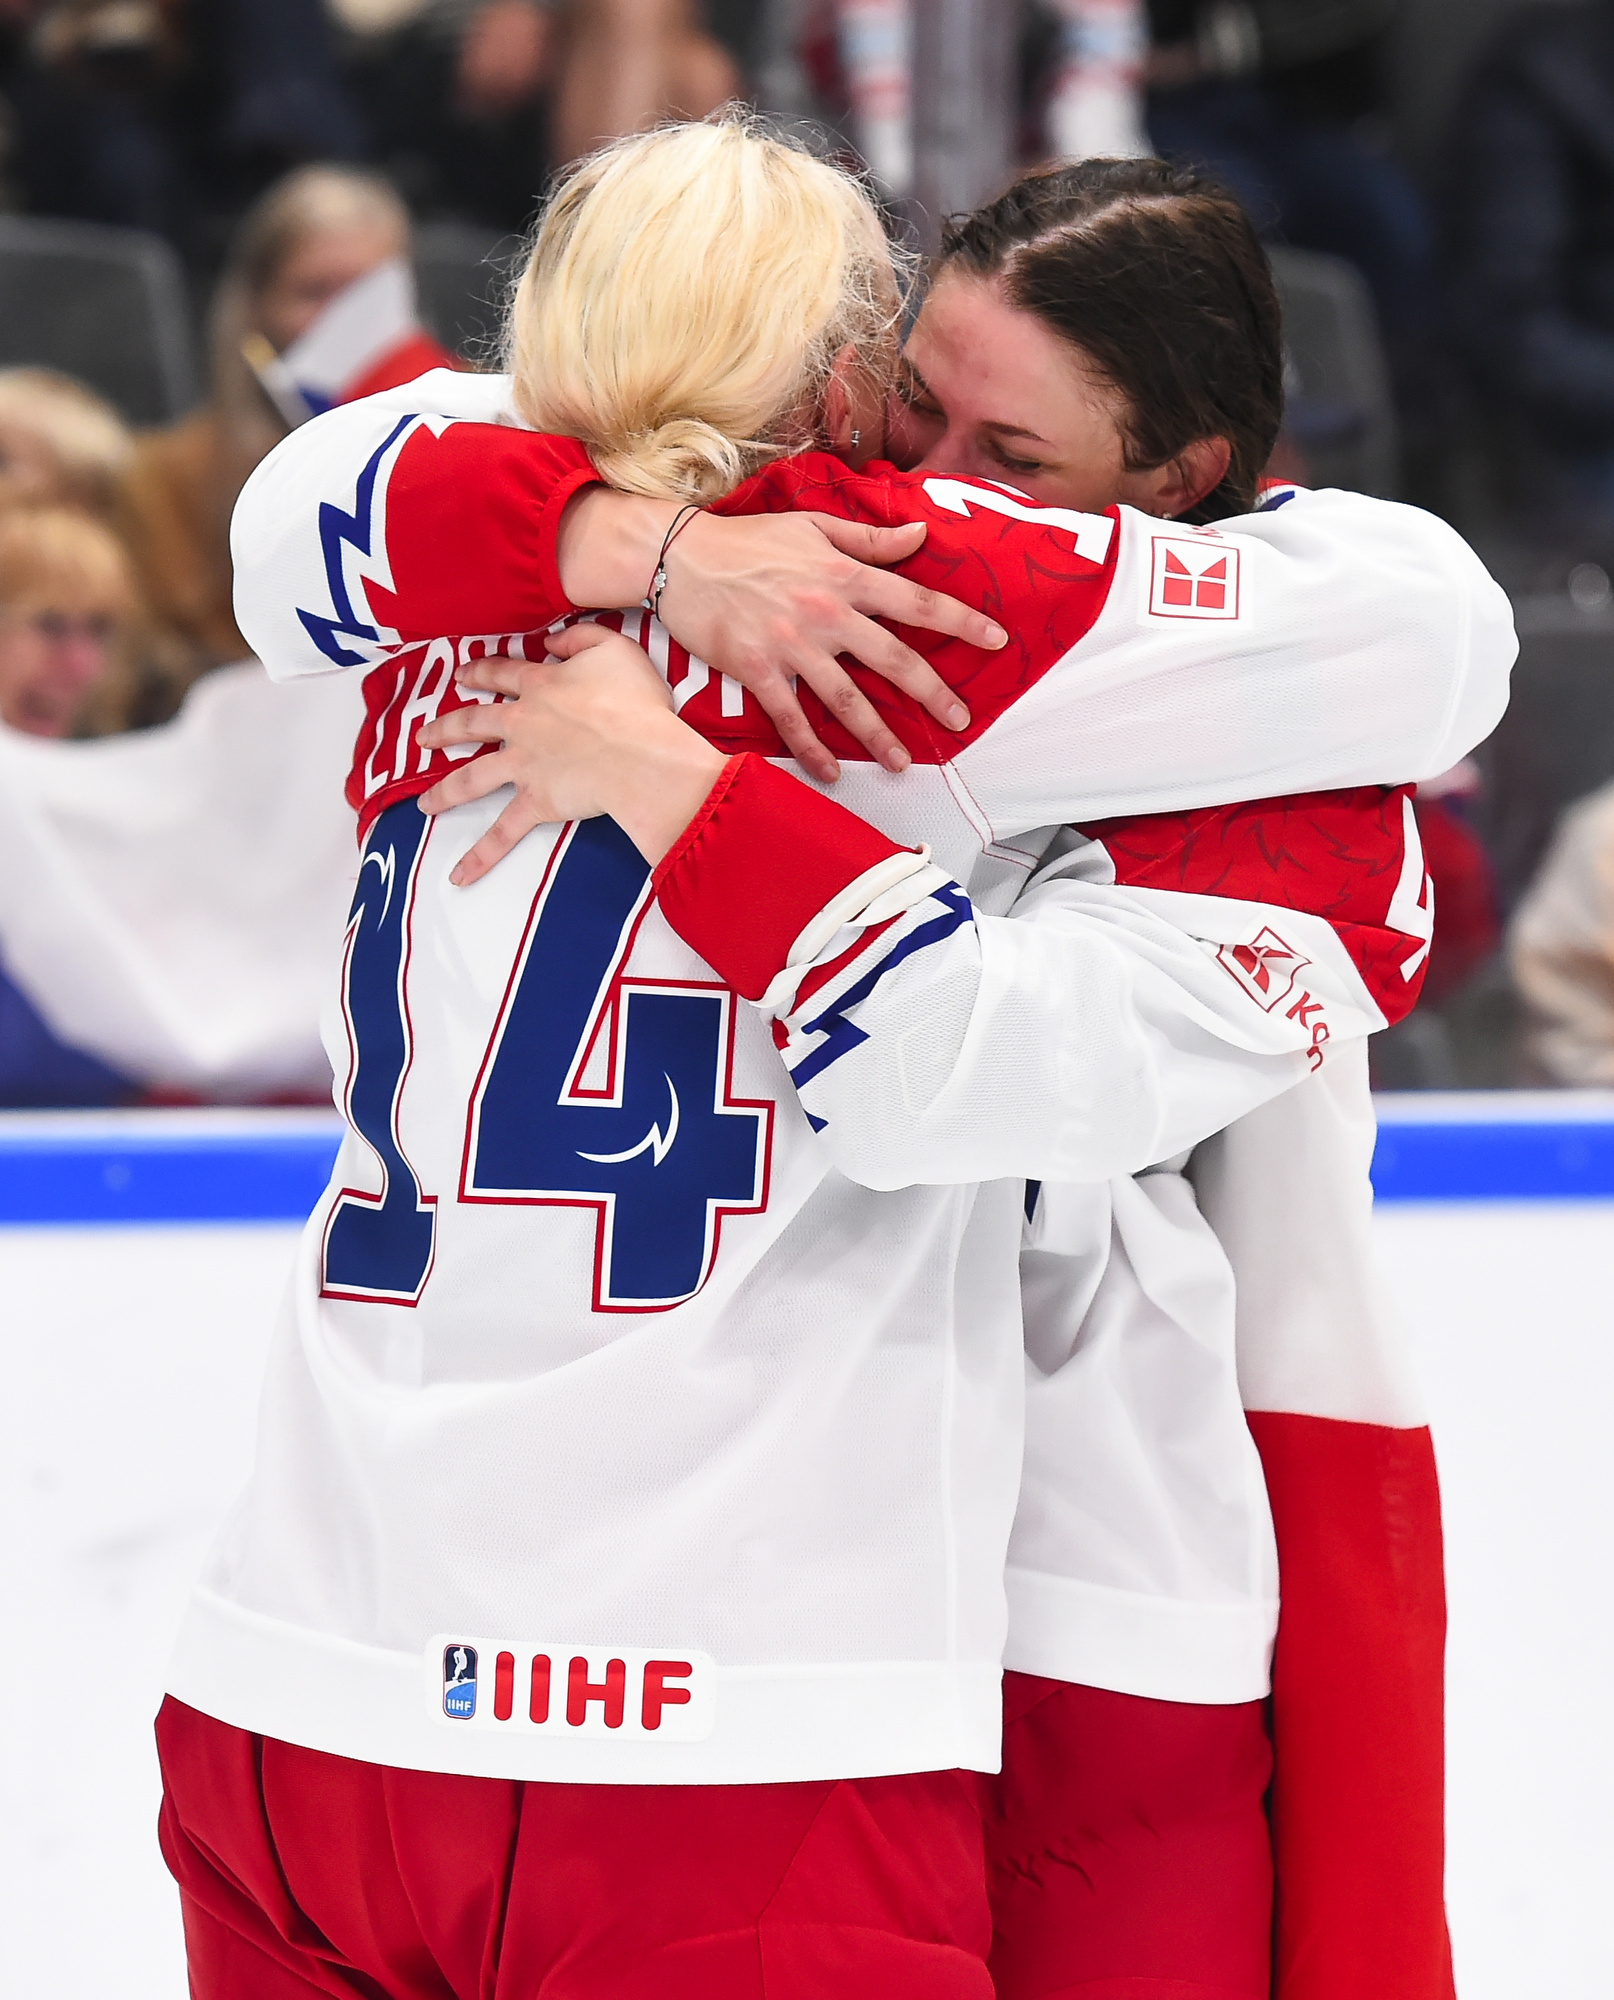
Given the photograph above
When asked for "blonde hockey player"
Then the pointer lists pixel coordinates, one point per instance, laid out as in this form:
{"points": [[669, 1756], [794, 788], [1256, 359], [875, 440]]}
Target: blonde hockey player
{"points": [[673, 1505]]}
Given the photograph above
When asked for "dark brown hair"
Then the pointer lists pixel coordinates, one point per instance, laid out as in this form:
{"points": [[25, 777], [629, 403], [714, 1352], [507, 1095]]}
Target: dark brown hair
{"points": [[1156, 275]]}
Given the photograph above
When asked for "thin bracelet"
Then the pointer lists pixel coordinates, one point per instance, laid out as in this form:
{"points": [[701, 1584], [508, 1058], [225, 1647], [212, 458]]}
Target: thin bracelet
{"points": [[658, 583]]}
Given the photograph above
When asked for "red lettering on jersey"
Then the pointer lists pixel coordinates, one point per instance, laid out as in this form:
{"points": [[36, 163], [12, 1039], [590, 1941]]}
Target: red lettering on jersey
{"points": [[611, 1693], [538, 1698], [658, 1695], [673, 1700]]}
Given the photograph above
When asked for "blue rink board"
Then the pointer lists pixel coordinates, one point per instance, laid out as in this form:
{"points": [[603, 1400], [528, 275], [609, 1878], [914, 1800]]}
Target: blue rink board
{"points": [[99, 1174], [97, 1169]]}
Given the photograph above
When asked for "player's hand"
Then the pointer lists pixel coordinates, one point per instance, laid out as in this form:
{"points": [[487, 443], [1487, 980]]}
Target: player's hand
{"points": [[764, 598], [589, 730]]}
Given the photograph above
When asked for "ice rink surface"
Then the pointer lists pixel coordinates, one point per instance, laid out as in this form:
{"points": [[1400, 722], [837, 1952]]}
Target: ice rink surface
{"points": [[133, 1355]]}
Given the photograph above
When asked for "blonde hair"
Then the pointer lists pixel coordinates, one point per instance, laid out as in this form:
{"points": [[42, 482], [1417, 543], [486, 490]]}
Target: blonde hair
{"points": [[685, 296], [81, 446], [57, 559]]}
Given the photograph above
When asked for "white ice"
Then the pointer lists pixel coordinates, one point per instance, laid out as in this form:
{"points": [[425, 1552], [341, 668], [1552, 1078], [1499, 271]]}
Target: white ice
{"points": [[132, 1358]]}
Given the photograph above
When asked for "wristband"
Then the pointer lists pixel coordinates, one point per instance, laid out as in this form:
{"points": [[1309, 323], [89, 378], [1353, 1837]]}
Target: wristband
{"points": [[658, 582]]}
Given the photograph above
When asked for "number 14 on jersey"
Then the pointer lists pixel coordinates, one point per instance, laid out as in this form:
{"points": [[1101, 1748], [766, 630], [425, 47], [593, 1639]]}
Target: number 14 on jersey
{"points": [[655, 1144]]}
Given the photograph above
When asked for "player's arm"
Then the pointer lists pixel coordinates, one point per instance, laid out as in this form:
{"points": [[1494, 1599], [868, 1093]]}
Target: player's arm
{"points": [[369, 528], [372, 528], [1329, 639], [1084, 1037], [1367, 644], [768, 598], [1339, 640], [1344, 641]]}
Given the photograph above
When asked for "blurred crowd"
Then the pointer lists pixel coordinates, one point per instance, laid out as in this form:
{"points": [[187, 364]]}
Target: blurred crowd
{"points": [[286, 151]]}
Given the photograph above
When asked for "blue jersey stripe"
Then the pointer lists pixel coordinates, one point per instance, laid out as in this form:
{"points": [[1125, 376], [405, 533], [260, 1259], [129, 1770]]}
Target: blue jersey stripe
{"points": [[844, 1035]]}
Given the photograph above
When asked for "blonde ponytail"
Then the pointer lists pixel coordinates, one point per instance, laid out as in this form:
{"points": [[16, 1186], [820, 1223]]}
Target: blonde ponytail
{"points": [[685, 296]]}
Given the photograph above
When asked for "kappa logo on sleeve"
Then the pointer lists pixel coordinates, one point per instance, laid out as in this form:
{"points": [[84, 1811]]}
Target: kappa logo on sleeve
{"points": [[1269, 971], [1193, 578], [1266, 968], [608, 1693]]}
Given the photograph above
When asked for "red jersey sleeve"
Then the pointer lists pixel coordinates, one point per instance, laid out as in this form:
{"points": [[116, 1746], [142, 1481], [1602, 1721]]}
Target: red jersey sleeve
{"points": [[472, 525], [1350, 857]]}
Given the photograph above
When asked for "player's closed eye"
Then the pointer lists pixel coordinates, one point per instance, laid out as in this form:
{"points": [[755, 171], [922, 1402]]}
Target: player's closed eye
{"points": [[1009, 462]]}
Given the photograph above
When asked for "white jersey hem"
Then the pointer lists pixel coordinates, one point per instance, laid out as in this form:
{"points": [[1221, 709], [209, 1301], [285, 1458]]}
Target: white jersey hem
{"points": [[1166, 1648], [774, 1725]]}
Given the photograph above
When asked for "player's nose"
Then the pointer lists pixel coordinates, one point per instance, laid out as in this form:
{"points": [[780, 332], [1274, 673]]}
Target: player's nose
{"points": [[947, 454]]}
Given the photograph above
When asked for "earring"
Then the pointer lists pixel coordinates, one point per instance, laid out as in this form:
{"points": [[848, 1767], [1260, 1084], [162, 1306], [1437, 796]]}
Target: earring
{"points": [[857, 439]]}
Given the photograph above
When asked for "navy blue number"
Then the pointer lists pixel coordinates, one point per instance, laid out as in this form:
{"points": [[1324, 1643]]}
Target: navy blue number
{"points": [[664, 1154], [380, 1246]]}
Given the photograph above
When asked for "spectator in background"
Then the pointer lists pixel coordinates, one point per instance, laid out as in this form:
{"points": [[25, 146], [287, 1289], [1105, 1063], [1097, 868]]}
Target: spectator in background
{"points": [[166, 114], [631, 62], [1095, 101], [455, 97], [1082, 60], [60, 443], [66, 598], [308, 243], [173, 115], [470, 102], [67, 602], [873, 50], [1532, 249], [281, 99], [90, 85], [1280, 100], [1562, 948]]}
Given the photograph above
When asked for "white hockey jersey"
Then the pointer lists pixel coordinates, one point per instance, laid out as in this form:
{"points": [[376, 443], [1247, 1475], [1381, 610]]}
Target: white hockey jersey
{"points": [[647, 1403]]}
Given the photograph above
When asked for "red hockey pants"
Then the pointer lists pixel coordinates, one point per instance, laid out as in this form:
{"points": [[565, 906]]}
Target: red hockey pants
{"points": [[304, 1874], [1126, 1843], [1128, 1847]]}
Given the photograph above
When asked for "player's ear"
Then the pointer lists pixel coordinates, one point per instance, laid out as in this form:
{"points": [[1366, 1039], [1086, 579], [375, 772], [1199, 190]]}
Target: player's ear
{"points": [[1197, 470], [836, 419]]}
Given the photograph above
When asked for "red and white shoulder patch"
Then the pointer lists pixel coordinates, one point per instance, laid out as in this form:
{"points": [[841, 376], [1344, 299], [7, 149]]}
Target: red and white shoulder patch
{"points": [[1192, 577]]}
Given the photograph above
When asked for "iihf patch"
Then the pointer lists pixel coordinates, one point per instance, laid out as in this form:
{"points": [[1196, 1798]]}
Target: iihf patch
{"points": [[561, 1689], [1266, 967], [459, 1682], [1194, 578]]}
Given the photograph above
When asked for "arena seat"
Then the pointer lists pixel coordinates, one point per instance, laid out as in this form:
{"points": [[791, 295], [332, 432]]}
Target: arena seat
{"points": [[106, 305], [1554, 745], [1556, 742], [462, 273], [1339, 407]]}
